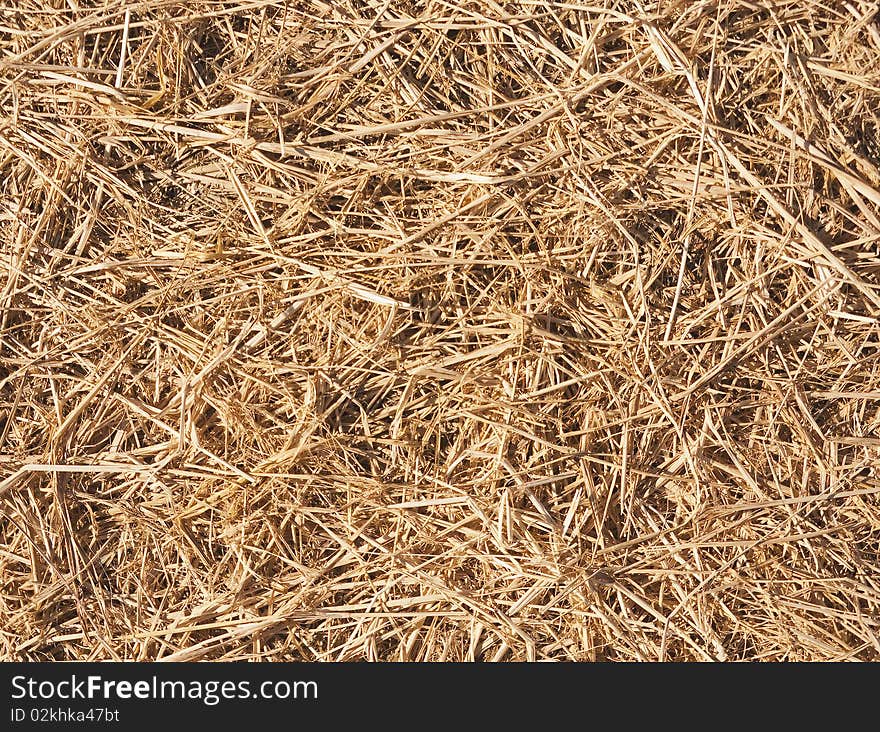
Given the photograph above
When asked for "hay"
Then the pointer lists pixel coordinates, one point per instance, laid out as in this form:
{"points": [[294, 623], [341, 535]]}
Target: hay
{"points": [[440, 330]]}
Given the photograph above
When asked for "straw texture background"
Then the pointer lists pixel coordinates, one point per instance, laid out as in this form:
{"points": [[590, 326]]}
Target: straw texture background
{"points": [[439, 330]]}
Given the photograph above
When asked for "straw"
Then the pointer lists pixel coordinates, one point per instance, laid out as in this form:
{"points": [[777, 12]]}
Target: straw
{"points": [[440, 330]]}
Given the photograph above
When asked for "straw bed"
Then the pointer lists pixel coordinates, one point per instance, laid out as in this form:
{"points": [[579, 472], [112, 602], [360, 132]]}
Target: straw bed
{"points": [[429, 330]]}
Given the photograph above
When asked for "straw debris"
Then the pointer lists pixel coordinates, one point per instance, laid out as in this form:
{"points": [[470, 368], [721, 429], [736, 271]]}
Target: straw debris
{"points": [[440, 330]]}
